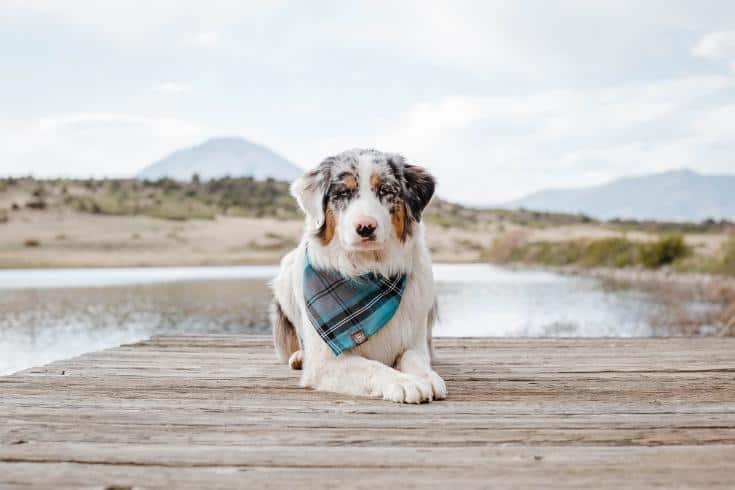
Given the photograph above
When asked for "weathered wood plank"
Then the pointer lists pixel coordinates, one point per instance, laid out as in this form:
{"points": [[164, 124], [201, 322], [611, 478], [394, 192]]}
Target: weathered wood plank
{"points": [[218, 411], [556, 467]]}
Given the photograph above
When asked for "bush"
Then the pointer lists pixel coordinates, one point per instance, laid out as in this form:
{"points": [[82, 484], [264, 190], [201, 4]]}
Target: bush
{"points": [[562, 253], [32, 243], [8, 182], [39, 191], [610, 252], [664, 251], [180, 211], [604, 252], [38, 204], [728, 257]]}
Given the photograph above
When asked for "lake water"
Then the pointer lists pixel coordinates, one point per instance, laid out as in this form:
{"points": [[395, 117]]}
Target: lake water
{"points": [[46, 315]]}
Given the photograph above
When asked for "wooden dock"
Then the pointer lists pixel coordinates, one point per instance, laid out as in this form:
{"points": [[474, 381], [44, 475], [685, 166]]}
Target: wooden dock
{"points": [[219, 412]]}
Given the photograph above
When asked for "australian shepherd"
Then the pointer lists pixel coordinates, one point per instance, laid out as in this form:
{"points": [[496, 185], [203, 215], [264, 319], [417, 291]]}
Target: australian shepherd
{"points": [[363, 217]]}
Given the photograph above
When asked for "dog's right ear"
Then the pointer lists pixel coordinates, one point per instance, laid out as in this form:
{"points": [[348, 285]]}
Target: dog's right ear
{"points": [[310, 192]]}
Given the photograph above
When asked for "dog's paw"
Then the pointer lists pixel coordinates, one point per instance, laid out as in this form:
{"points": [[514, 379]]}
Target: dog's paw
{"points": [[438, 386], [408, 389], [296, 361]]}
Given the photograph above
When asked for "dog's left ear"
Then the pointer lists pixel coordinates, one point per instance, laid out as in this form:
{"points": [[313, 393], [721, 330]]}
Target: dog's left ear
{"points": [[310, 191], [420, 185]]}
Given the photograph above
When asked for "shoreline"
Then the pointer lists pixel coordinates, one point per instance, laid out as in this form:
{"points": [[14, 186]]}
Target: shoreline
{"points": [[640, 275], [712, 298], [629, 276], [625, 274]]}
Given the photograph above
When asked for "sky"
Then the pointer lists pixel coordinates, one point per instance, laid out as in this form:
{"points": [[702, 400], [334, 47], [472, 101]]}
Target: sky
{"points": [[497, 99]]}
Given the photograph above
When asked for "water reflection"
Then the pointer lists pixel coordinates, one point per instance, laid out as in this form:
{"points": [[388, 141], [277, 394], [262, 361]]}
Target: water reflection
{"points": [[490, 301], [41, 325], [50, 315]]}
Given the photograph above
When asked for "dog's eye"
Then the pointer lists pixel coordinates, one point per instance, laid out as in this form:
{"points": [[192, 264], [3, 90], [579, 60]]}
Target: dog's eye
{"points": [[343, 194], [385, 190]]}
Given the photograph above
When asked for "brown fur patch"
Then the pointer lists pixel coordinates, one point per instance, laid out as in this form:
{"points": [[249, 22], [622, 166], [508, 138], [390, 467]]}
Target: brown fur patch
{"points": [[399, 221], [350, 182], [375, 182], [330, 226], [284, 334]]}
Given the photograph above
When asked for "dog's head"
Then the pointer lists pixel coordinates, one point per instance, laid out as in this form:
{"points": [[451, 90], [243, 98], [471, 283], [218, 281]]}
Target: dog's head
{"points": [[362, 199]]}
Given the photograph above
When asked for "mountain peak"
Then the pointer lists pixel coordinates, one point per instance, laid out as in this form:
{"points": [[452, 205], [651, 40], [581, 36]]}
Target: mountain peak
{"points": [[673, 195], [220, 157], [676, 171], [679, 172]]}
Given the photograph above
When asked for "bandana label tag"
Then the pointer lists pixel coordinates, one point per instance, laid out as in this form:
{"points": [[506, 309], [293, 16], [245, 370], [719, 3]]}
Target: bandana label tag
{"points": [[359, 337]]}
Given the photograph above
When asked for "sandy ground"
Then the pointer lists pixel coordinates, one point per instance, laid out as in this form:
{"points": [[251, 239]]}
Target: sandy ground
{"points": [[70, 239], [64, 238]]}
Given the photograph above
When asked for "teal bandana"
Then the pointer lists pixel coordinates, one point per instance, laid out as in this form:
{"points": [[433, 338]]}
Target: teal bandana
{"points": [[347, 311]]}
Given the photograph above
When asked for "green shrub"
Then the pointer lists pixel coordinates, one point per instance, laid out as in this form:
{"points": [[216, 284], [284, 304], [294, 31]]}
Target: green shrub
{"points": [[37, 203], [180, 211], [547, 253], [728, 257], [610, 252], [109, 204], [664, 251], [605, 252], [562, 253], [84, 204]]}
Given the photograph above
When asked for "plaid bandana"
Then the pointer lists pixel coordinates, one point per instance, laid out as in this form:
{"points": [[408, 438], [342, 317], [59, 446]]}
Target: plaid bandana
{"points": [[347, 311]]}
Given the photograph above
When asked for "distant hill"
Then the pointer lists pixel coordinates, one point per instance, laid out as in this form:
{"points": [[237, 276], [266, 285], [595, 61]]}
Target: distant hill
{"points": [[680, 195], [220, 157]]}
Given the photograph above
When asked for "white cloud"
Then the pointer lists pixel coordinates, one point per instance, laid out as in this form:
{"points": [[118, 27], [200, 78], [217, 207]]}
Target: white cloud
{"points": [[519, 95], [207, 39], [510, 37], [717, 46], [499, 148], [535, 39], [172, 88], [91, 144]]}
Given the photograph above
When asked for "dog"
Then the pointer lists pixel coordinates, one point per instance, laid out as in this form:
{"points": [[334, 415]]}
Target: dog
{"points": [[363, 220]]}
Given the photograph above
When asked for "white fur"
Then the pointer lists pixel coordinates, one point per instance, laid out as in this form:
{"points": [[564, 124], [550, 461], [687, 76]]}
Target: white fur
{"points": [[395, 363], [367, 204]]}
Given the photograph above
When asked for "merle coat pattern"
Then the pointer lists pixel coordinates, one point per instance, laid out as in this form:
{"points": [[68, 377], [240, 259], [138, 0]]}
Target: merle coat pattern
{"points": [[363, 214]]}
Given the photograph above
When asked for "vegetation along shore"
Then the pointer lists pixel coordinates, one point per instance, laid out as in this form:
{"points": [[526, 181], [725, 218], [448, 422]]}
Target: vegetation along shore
{"points": [[127, 222]]}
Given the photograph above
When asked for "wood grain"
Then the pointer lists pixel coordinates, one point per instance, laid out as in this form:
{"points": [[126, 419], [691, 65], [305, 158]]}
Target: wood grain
{"points": [[219, 412]]}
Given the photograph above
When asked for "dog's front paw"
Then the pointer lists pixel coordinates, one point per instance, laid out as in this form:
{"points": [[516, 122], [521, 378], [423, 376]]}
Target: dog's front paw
{"points": [[439, 387], [296, 361], [408, 389]]}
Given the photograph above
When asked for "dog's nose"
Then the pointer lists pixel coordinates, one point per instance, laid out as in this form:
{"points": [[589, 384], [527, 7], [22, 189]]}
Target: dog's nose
{"points": [[365, 226]]}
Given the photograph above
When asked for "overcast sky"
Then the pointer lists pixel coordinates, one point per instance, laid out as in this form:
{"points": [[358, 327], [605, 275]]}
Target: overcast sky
{"points": [[497, 98]]}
